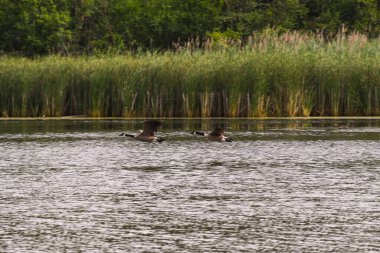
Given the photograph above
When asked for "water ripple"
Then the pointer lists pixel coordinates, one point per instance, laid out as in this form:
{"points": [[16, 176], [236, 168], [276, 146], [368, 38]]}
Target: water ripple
{"points": [[281, 190]]}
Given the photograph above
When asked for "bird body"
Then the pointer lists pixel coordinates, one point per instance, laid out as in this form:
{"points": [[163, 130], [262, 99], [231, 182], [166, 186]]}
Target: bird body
{"points": [[148, 134], [216, 135]]}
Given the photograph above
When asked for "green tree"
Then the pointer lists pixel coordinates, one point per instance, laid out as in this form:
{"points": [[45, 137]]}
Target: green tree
{"points": [[247, 16], [34, 27], [94, 25], [157, 24], [330, 15]]}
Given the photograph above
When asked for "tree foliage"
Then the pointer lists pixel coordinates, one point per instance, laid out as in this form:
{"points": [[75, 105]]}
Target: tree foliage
{"points": [[35, 27]]}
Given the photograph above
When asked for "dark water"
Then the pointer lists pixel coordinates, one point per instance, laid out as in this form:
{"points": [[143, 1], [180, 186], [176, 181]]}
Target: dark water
{"points": [[282, 185]]}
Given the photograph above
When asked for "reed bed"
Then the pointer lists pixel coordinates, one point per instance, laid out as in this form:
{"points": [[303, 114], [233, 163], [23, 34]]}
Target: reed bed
{"points": [[273, 75]]}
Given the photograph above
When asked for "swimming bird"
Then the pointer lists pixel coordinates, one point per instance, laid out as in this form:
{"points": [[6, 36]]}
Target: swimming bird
{"points": [[216, 135], [147, 135]]}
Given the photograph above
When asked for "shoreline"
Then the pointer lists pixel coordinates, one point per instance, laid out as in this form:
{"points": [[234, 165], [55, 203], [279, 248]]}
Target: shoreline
{"points": [[193, 118]]}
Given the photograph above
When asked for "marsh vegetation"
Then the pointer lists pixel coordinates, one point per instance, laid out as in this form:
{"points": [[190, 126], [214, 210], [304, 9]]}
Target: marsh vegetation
{"points": [[289, 74]]}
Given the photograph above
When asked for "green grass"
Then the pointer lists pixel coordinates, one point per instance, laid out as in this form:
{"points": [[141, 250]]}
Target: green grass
{"points": [[285, 75]]}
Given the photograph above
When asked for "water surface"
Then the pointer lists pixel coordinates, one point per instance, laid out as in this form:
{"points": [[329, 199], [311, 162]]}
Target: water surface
{"points": [[281, 185]]}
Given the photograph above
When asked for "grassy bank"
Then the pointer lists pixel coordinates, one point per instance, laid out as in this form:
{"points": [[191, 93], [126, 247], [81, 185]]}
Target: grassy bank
{"points": [[273, 76]]}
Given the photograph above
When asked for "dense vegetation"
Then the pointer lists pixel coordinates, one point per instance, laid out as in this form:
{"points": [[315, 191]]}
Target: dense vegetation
{"points": [[189, 58], [291, 74], [68, 27]]}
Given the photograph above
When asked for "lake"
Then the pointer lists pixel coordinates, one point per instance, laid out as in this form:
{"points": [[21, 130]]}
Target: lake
{"points": [[297, 185]]}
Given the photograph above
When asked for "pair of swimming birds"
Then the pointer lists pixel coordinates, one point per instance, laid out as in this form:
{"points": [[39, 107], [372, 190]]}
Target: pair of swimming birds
{"points": [[150, 128]]}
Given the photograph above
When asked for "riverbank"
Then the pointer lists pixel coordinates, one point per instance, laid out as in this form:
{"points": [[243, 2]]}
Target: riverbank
{"points": [[194, 118], [291, 75]]}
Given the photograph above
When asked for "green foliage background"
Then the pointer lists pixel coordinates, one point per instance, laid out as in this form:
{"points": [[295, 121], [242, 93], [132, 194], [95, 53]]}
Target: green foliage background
{"points": [[36, 27], [189, 58]]}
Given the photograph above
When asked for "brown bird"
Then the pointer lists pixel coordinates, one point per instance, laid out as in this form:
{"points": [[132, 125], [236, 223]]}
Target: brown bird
{"points": [[148, 134], [216, 135]]}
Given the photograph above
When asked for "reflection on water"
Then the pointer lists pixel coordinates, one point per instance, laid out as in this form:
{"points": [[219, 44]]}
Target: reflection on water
{"points": [[282, 185]]}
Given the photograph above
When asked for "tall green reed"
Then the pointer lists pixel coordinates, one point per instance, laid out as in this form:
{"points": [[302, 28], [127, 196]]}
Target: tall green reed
{"points": [[289, 74]]}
